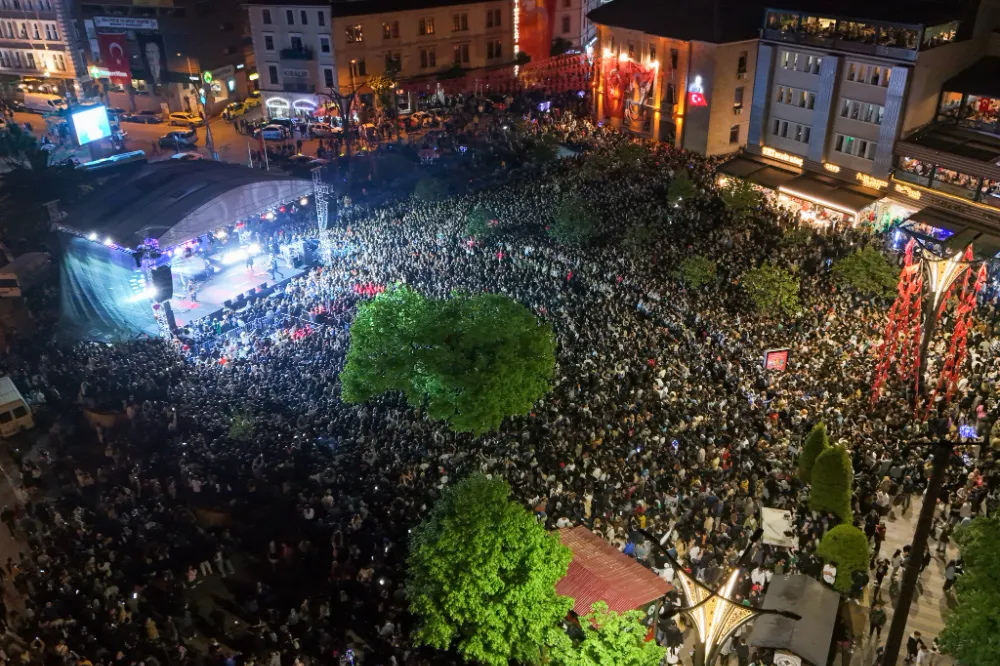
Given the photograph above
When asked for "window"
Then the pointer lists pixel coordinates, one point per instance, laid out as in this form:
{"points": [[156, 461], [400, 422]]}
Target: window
{"points": [[38, 34], [268, 42], [652, 52], [425, 26], [272, 74], [850, 145], [738, 98], [320, 18], [266, 16], [862, 111], [673, 58], [631, 46], [359, 68], [734, 134], [671, 95], [328, 77], [493, 49], [289, 17], [296, 42], [354, 34], [460, 53], [304, 18], [428, 58], [324, 44], [565, 25], [741, 64], [393, 62], [806, 99], [390, 30], [955, 182], [493, 18], [459, 22]]}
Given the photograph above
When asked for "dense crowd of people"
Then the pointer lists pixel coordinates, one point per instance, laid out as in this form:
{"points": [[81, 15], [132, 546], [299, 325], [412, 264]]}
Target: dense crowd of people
{"points": [[239, 512]]}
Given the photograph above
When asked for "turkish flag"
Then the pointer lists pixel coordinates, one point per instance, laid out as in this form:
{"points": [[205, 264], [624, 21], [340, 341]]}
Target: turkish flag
{"points": [[114, 53], [697, 99]]}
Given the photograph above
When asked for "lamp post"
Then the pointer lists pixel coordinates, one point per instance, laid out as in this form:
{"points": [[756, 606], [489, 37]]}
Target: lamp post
{"points": [[712, 612]]}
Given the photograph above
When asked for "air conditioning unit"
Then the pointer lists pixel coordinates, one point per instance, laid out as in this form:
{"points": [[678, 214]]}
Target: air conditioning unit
{"points": [[741, 75]]}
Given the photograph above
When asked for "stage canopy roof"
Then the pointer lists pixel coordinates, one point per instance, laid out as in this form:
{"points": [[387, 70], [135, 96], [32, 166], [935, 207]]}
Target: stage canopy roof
{"points": [[176, 200], [599, 572], [808, 637]]}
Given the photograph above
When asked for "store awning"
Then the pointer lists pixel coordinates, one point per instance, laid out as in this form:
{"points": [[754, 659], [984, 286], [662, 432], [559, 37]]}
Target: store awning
{"points": [[757, 172], [985, 240], [831, 193]]}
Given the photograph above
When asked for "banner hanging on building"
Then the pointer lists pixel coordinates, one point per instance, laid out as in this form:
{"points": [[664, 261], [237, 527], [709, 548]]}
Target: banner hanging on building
{"points": [[628, 86], [114, 54], [154, 57]]}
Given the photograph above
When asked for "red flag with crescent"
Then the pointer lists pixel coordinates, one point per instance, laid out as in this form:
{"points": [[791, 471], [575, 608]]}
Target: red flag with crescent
{"points": [[114, 53]]}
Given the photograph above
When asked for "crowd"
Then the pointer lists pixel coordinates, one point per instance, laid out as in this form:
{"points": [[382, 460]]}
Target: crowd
{"points": [[241, 513]]}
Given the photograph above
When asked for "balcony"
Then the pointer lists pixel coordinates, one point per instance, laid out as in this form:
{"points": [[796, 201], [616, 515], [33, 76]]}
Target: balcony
{"points": [[299, 87], [894, 52], [296, 54]]}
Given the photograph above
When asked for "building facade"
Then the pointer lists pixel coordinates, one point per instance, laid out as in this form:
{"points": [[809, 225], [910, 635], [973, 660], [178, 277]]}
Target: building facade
{"points": [[687, 82], [834, 95], [38, 51]]}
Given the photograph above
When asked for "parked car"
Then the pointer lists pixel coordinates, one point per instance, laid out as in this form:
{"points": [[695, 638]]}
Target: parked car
{"points": [[273, 133], [300, 159], [144, 117], [253, 100], [187, 157], [234, 110], [325, 129], [179, 138], [185, 119]]}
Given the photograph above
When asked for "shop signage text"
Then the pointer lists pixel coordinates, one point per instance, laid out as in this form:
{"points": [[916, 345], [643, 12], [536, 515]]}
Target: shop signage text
{"points": [[126, 23], [908, 191], [295, 73], [784, 157], [832, 168], [871, 181]]}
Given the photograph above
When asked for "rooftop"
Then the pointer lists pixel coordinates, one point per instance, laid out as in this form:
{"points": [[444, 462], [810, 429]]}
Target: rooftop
{"points": [[717, 22], [954, 140], [982, 78], [908, 12], [599, 572], [808, 637]]}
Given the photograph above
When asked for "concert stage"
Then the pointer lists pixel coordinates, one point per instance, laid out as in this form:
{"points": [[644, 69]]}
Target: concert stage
{"points": [[226, 285]]}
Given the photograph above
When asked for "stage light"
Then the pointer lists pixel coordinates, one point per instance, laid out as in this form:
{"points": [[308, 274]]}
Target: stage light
{"points": [[92, 236], [303, 201], [108, 241], [269, 215], [254, 249]]}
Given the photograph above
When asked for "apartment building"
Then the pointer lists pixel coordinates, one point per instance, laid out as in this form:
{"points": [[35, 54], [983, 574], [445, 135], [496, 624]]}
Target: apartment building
{"points": [[412, 39], [685, 71], [37, 48], [837, 84]]}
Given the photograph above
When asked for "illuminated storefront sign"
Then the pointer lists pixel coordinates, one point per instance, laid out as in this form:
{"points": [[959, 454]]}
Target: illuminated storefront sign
{"points": [[696, 93], [872, 182], [908, 191], [832, 168], [783, 157]]}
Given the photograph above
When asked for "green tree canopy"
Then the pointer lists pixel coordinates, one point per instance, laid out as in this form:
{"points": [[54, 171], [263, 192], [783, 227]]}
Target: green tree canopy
{"points": [[970, 630], [430, 189], [681, 187], [609, 639], [697, 270], [832, 480], [774, 291], [468, 360], [868, 271], [481, 576], [847, 547], [816, 443], [741, 197], [638, 237], [797, 237], [242, 425], [545, 149], [573, 221], [480, 222]]}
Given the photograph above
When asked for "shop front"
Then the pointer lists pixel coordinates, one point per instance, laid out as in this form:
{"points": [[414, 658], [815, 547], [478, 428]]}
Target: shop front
{"points": [[290, 105]]}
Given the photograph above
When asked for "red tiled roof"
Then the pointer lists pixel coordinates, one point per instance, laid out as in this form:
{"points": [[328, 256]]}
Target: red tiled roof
{"points": [[599, 572]]}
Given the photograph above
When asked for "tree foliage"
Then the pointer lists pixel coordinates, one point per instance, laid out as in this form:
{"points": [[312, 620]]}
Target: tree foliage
{"points": [[609, 639], [241, 425], [697, 270], [868, 271], [816, 443], [481, 576], [832, 481], [546, 149], [480, 222], [681, 187], [797, 237], [741, 197], [430, 189], [847, 547], [468, 360], [573, 221], [638, 237], [774, 291], [970, 630]]}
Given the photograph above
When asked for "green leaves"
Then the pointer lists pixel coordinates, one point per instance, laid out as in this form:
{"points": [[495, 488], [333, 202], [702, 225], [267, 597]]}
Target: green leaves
{"points": [[773, 290], [241, 425], [481, 576], [609, 639], [681, 187], [868, 272], [697, 271], [430, 189], [480, 223], [970, 630], [832, 480], [469, 360], [847, 547], [573, 222], [816, 443], [741, 197]]}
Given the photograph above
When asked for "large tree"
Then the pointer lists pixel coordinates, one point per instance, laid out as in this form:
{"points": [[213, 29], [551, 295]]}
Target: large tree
{"points": [[741, 197], [816, 443], [847, 547], [468, 360], [573, 221], [971, 629], [867, 271], [608, 639], [697, 270], [481, 576], [773, 290], [832, 481], [681, 187]]}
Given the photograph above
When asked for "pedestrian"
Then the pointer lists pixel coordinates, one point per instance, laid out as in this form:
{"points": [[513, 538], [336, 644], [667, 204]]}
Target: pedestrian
{"points": [[876, 619], [913, 643]]}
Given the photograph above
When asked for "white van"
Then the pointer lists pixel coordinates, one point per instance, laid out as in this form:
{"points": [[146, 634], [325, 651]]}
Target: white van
{"points": [[15, 415], [43, 103]]}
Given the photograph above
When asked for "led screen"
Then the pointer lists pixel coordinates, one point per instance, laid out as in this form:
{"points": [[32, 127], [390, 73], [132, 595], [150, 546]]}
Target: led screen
{"points": [[91, 125]]}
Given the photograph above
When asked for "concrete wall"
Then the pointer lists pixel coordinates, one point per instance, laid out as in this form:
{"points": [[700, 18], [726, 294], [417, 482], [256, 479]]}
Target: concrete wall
{"points": [[726, 80]]}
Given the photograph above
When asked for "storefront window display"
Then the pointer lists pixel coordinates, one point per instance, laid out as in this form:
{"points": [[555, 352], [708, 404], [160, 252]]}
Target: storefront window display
{"points": [[955, 182], [888, 213], [914, 171], [978, 112], [814, 213]]}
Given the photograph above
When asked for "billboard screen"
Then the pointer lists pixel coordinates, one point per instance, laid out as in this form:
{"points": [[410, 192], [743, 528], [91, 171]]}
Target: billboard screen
{"points": [[91, 125]]}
